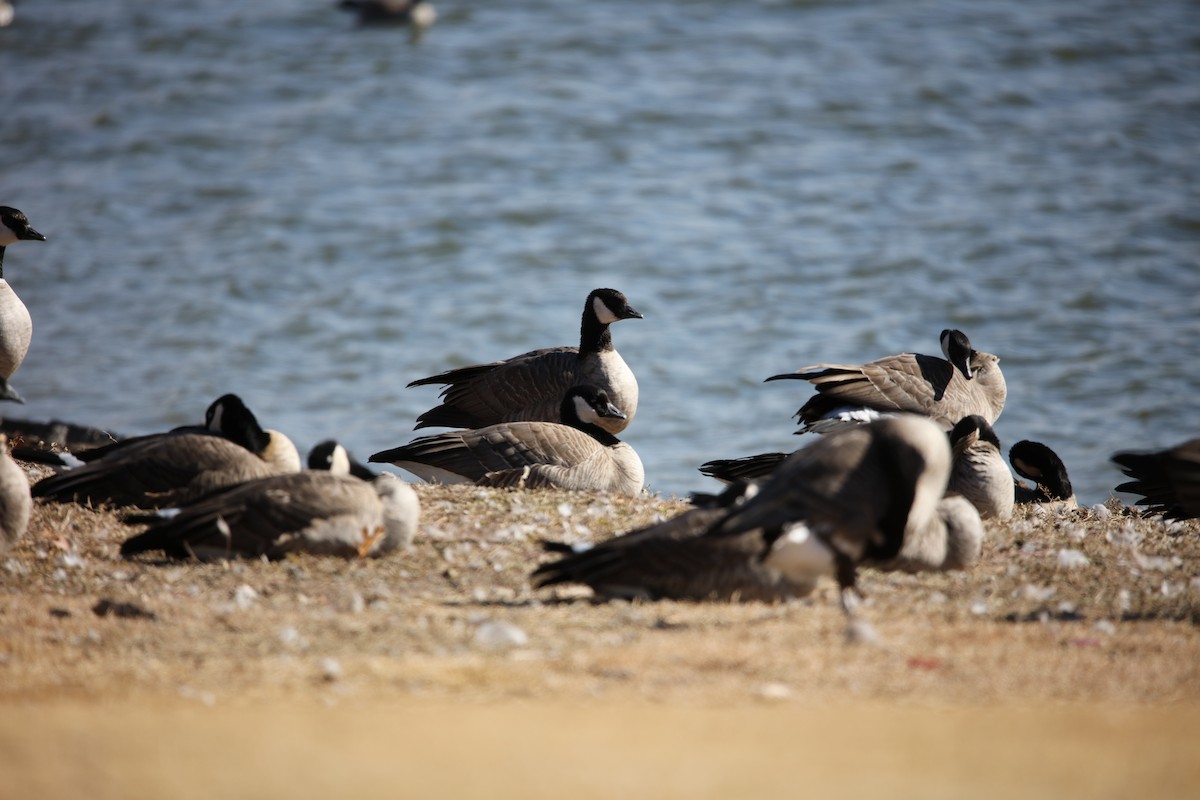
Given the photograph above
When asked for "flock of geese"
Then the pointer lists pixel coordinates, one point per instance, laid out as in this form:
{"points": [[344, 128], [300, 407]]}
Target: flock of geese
{"points": [[902, 470]]}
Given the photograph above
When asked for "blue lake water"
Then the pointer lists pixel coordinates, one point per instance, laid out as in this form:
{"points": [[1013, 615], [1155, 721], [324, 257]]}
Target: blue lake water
{"points": [[265, 198]]}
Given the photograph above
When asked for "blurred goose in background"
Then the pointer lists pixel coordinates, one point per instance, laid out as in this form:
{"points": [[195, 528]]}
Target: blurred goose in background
{"points": [[15, 501], [16, 327], [530, 387], [325, 510], [417, 13], [870, 495], [177, 467], [979, 472], [1168, 480], [674, 560], [966, 382], [573, 454], [1038, 463]]}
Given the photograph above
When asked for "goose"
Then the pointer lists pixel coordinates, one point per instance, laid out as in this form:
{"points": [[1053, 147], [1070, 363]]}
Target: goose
{"points": [[870, 495], [1038, 463], [323, 511], [1168, 480], [978, 472], [417, 13], [747, 468], [16, 327], [573, 454], [176, 467], [15, 501], [967, 382], [674, 560], [530, 387]]}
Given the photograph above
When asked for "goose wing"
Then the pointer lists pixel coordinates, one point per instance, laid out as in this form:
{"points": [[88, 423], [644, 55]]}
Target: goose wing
{"points": [[526, 387]]}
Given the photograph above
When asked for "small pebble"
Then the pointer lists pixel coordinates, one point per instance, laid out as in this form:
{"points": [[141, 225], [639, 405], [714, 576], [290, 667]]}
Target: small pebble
{"points": [[244, 596], [331, 670], [774, 691], [859, 631], [1101, 511], [499, 635], [1072, 559]]}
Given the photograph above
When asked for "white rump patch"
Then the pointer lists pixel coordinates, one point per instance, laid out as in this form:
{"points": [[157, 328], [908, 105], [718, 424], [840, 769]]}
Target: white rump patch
{"points": [[799, 555]]}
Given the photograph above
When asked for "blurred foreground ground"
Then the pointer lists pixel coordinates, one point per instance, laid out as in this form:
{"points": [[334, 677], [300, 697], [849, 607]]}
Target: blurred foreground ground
{"points": [[1067, 663]]}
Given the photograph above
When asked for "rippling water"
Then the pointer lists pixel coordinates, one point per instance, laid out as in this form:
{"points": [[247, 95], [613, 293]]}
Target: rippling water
{"points": [[264, 198]]}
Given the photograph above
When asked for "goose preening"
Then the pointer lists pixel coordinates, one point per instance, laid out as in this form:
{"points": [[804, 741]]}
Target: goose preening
{"points": [[417, 13], [16, 327], [1038, 463], [177, 467], [530, 387], [978, 472], [1168, 480], [866, 495], [966, 382], [674, 560], [575, 453], [15, 501], [323, 511]]}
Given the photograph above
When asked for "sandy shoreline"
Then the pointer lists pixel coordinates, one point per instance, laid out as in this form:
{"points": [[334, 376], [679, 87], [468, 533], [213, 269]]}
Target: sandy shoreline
{"points": [[440, 672]]}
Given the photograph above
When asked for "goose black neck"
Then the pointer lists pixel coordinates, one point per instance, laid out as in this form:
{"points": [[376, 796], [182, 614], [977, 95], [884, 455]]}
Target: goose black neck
{"points": [[594, 336], [1, 261]]}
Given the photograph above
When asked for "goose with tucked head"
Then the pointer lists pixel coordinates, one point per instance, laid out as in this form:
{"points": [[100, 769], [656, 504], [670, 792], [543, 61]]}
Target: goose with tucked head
{"points": [[324, 510]]}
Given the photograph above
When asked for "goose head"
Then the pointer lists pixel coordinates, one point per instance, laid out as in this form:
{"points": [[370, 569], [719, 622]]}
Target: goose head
{"points": [[1038, 463], [609, 306], [331, 456], [585, 406], [958, 351]]}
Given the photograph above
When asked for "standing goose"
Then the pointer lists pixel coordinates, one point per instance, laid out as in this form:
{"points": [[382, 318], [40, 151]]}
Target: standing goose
{"points": [[868, 495], [979, 472], [674, 560], [323, 511], [179, 467], [573, 454], [946, 390], [15, 502], [1038, 463], [530, 387], [1168, 480], [16, 327]]}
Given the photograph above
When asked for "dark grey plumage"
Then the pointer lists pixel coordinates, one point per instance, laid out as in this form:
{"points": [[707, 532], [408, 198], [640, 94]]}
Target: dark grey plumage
{"points": [[573, 454], [176, 467], [1168, 480], [944, 390], [320, 511], [530, 387]]}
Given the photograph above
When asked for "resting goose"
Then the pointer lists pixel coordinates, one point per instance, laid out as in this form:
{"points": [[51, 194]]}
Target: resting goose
{"points": [[573, 454], [177, 467], [530, 387], [1168, 480], [15, 502], [1038, 463], [417, 13], [946, 390], [674, 560], [868, 495], [979, 472], [16, 327], [323, 511]]}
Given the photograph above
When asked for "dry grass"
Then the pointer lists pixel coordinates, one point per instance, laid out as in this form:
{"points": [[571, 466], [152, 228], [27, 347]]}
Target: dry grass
{"points": [[1074, 627]]}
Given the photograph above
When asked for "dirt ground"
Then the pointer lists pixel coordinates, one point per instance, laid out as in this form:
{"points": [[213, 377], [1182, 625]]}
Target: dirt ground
{"points": [[1066, 664]]}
